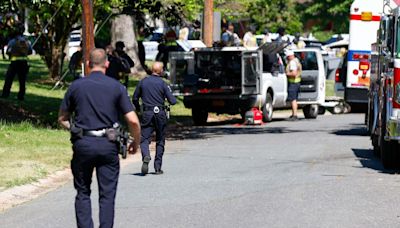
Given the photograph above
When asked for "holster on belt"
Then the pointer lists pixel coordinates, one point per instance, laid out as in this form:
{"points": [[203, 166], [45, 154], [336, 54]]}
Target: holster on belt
{"points": [[76, 133], [112, 134]]}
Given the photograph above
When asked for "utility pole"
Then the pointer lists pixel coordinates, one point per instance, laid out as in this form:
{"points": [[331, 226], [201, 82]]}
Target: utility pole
{"points": [[87, 32], [208, 22]]}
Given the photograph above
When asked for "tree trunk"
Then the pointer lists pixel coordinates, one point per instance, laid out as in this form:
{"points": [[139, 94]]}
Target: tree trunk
{"points": [[53, 59], [123, 29], [56, 61]]}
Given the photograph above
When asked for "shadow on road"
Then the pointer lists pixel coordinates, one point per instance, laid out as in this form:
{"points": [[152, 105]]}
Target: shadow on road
{"points": [[369, 160], [357, 130], [194, 132]]}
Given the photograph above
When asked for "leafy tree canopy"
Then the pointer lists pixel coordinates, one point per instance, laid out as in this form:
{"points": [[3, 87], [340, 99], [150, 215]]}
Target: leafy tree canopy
{"points": [[330, 14], [273, 14]]}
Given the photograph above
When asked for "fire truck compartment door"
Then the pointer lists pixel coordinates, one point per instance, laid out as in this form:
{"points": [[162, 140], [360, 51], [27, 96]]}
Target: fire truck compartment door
{"points": [[251, 72]]}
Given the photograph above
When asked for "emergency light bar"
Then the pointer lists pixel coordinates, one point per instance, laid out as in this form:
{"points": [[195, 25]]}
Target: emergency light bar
{"points": [[360, 56]]}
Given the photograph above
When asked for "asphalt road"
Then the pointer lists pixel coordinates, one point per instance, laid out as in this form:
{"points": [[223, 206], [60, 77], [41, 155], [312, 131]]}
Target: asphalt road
{"points": [[309, 173]]}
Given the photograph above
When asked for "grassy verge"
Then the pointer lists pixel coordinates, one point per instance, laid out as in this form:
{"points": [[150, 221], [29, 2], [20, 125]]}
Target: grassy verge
{"points": [[32, 146], [28, 153]]}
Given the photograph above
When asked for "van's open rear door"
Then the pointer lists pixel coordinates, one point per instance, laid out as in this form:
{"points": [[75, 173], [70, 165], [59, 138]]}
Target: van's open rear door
{"points": [[251, 72], [272, 47], [181, 64]]}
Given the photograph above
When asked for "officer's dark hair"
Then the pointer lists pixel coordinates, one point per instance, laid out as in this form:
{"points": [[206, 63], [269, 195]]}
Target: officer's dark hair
{"points": [[281, 31], [119, 45], [196, 24], [98, 58], [19, 29]]}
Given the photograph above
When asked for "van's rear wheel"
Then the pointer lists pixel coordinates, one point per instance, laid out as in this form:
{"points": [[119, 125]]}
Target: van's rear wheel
{"points": [[337, 109], [199, 116], [310, 111], [267, 109]]}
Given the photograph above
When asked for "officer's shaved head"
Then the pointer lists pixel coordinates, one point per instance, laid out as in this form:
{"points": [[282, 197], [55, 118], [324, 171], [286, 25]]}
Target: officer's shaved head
{"points": [[157, 68], [98, 58]]}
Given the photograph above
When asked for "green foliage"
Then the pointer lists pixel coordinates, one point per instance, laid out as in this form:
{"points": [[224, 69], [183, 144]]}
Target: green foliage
{"points": [[273, 14], [326, 12], [322, 35], [169, 11], [190, 8], [52, 21]]}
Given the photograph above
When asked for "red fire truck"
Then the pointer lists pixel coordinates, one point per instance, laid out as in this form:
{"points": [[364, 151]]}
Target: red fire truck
{"points": [[384, 95]]}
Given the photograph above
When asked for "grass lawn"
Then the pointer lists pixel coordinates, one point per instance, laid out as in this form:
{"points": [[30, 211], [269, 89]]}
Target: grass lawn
{"points": [[32, 145]]}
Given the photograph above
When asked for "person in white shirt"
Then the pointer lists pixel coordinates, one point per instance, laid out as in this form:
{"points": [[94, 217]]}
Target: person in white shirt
{"points": [[249, 39]]}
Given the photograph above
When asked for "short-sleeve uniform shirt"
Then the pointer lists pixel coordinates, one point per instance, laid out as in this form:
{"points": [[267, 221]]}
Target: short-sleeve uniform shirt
{"points": [[97, 101]]}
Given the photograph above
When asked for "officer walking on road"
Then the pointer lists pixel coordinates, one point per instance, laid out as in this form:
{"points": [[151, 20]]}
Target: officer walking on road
{"points": [[153, 91], [293, 73], [96, 102], [18, 49]]}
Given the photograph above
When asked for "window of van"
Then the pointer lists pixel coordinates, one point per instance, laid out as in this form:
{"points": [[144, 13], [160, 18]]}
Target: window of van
{"points": [[308, 60], [272, 63]]}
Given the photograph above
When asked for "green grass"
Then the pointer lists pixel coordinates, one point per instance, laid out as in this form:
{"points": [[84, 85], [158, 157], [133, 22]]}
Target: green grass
{"points": [[34, 148], [28, 153], [330, 88]]}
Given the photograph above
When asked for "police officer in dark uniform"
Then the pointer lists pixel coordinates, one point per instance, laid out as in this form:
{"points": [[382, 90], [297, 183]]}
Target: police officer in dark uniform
{"points": [[18, 49], [96, 102], [153, 91], [126, 60]]}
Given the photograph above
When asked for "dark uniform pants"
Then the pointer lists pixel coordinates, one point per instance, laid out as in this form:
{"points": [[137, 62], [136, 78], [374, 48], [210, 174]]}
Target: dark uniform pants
{"points": [[99, 153], [21, 68], [153, 121]]}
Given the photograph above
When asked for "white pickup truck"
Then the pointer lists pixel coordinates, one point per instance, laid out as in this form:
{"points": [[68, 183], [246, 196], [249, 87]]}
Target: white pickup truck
{"points": [[234, 80]]}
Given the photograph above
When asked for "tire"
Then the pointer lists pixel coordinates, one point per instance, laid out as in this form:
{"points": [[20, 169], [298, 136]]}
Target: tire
{"points": [[321, 110], [346, 108], [375, 145], [267, 109], [310, 111], [199, 116], [338, 109], [389, 156]]}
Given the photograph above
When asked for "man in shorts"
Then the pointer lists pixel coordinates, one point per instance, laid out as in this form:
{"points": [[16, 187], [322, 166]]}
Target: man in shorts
{"points": [[293, 73]]}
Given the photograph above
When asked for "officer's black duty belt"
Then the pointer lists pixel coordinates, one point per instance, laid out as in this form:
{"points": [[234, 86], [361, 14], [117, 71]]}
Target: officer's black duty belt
{"points": [[96, 133], [155, 109]]}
